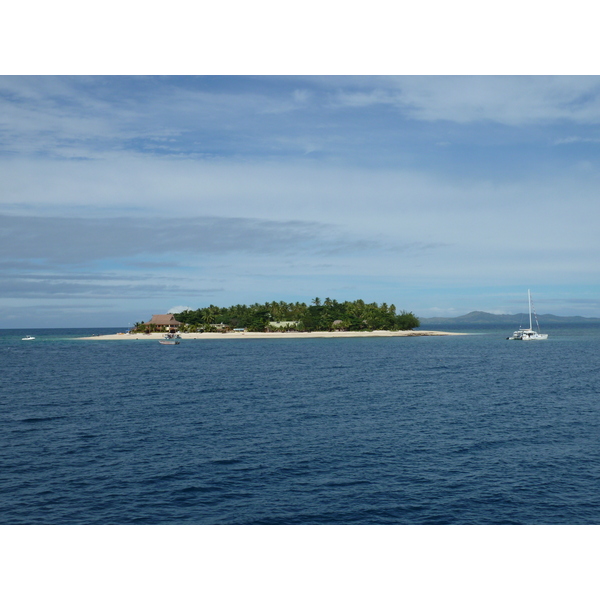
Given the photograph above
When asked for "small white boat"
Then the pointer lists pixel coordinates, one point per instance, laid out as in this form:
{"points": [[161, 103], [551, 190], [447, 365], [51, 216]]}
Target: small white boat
{"points": [[171, 339], [529, 334], [27, 338]]}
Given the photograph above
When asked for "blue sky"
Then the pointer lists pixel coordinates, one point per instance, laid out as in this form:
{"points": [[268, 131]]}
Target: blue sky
{"points": [[124, 196]]}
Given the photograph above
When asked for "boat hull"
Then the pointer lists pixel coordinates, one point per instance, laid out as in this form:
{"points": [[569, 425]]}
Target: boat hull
{"points": [[526, 335]]}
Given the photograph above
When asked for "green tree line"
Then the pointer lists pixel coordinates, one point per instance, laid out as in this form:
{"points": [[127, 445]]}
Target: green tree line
{"points": [[327, 315]]}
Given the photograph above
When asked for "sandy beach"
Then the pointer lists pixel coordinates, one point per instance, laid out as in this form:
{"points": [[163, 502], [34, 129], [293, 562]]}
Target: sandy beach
{"points": [[276, 335]]}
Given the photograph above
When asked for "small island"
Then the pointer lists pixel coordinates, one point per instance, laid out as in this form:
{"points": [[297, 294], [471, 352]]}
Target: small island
{"points": [[328, 318]]}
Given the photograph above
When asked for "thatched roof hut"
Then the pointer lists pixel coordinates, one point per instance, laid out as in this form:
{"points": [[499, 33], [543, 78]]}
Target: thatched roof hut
{"points": [[164, 322]]}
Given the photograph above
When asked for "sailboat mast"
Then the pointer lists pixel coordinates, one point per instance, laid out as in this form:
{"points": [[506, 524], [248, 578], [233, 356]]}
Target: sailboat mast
{"points": [[529, 296]]}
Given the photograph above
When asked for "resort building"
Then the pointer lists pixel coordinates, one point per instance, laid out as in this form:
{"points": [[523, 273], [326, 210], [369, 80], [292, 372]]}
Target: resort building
{"points": [[163, 323], [283, 324]]}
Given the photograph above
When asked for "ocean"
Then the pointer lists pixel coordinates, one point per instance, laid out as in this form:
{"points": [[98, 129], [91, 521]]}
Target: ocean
{"points": [[426, 430]]}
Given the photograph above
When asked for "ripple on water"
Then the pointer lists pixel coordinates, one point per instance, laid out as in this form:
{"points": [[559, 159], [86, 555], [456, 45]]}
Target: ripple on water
{"points": [[382, 430]]}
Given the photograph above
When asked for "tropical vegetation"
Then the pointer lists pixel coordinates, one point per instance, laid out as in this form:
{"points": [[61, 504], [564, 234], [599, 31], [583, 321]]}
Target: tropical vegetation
{"points": [[327, 315]]}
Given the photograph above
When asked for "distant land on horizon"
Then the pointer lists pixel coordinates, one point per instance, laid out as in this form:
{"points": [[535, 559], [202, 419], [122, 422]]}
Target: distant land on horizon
{"points": [[478, 317]]}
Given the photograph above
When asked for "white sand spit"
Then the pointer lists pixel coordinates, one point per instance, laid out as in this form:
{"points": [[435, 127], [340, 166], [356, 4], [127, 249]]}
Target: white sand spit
{"points": [[270, 336]]}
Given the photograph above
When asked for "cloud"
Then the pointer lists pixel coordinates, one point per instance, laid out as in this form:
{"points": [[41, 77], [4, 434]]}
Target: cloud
{"points": [[64, 240], [37, 287], [574, 139], [177, 309], [92, 117], [467, 99], [85, 117]]}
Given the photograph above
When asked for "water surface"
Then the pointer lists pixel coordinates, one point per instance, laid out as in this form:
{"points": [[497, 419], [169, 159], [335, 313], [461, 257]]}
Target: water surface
{"points": [[435, 430]]}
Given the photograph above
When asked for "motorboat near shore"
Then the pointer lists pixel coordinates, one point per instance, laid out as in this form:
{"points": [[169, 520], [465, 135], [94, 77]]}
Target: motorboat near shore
{"points": [[529, 334], [170, 339], [27, 338]]}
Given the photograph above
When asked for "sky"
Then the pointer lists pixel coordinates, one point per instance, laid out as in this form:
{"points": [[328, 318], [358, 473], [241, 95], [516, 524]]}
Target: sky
{"points": [[127, 196]]}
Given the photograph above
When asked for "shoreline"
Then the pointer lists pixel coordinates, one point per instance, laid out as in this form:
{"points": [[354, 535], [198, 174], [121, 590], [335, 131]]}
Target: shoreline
{"points": [[271, 335]]}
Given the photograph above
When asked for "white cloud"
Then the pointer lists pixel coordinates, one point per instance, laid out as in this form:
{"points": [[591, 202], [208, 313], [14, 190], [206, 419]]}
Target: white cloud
{"points": [[574, 139], [466, 99], [177, 309]]}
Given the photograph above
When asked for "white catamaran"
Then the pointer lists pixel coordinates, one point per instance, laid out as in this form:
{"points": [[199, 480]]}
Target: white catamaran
{"points": [[529, 334]]}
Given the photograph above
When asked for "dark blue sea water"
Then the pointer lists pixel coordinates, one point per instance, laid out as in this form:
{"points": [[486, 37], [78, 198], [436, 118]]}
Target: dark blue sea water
{"points": [[437, 430]]}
